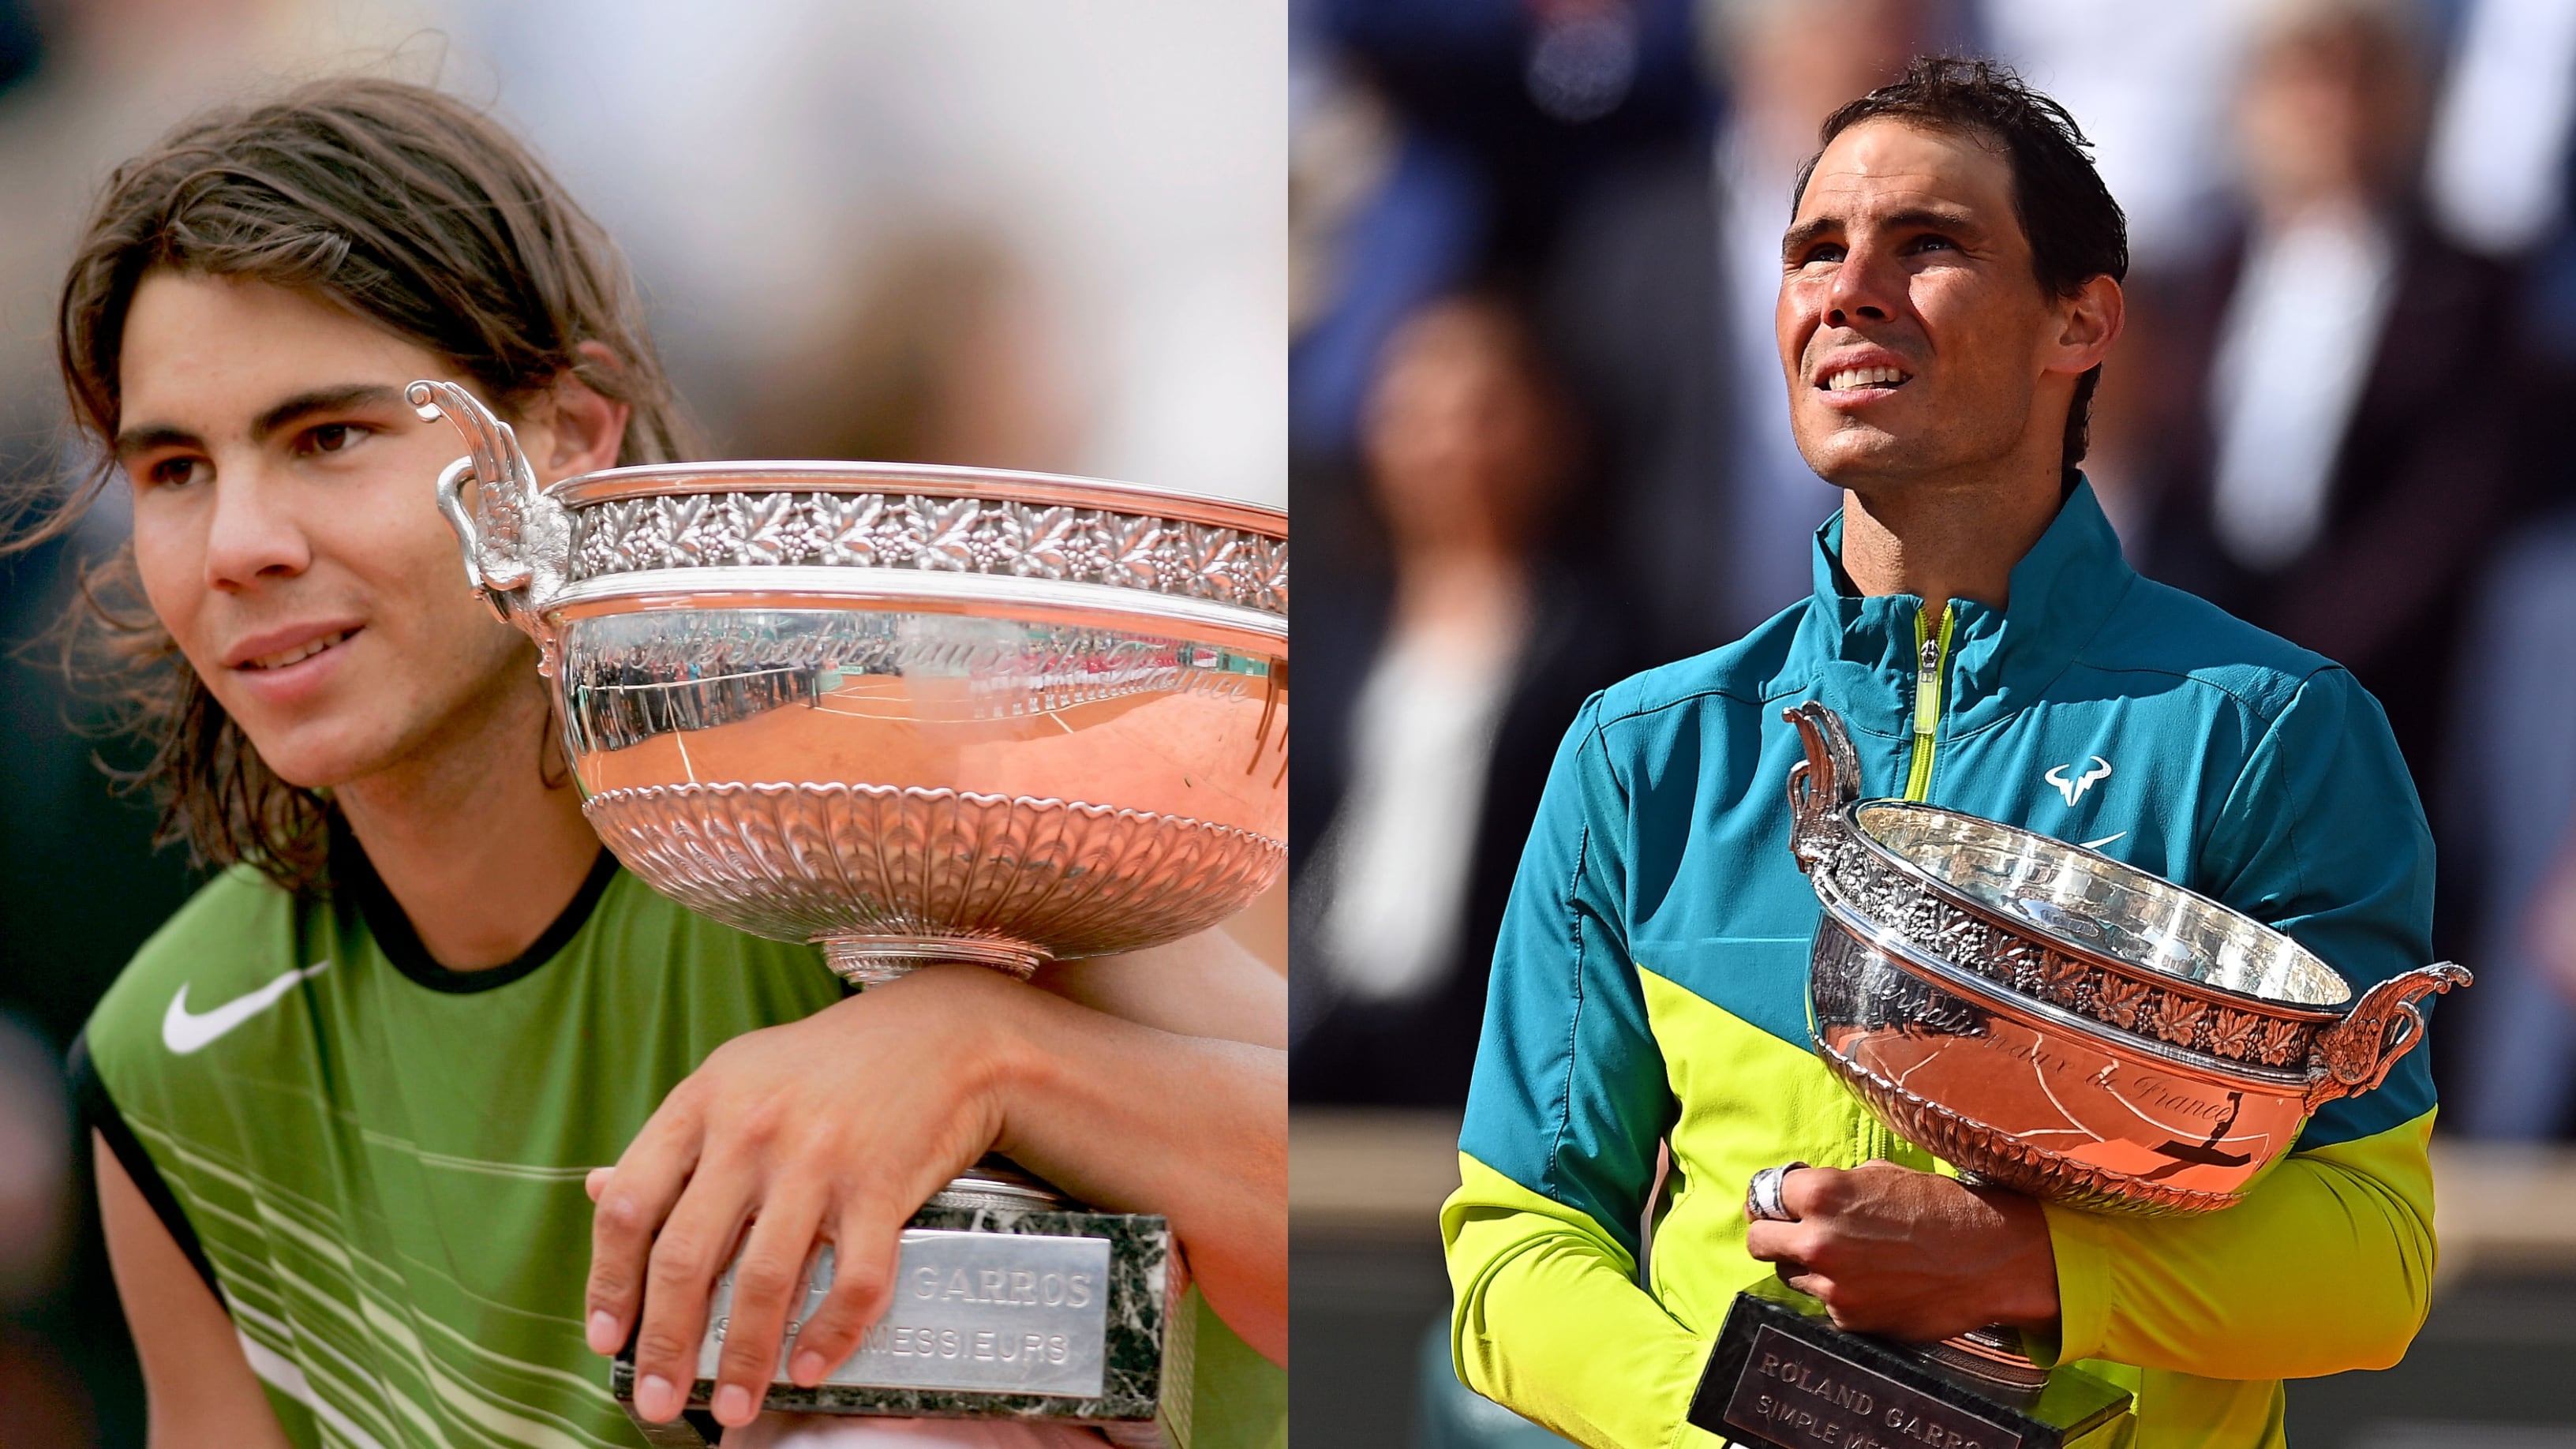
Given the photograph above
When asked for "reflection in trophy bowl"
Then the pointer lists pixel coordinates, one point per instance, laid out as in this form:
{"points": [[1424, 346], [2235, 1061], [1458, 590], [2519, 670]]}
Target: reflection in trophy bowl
{"points": [[2055, 1021], [904, 785], [912, 714]]}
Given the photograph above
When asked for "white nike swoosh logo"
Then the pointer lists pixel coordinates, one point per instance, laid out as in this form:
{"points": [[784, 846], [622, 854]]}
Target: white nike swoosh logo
{"points": [[183, 1031], [2105, 840]]}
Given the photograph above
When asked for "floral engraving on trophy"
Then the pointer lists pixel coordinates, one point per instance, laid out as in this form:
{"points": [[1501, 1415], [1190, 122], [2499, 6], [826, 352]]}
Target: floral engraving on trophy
{"points": [[2124, 1001], [2283, 1042], [2178, 1018], [960, 535], [1991, 950], [2231, 1032]]}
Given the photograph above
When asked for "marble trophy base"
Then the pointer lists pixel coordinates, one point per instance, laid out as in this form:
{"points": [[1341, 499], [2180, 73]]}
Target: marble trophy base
{"points": [[1009, 1303], [1783, 1375]]}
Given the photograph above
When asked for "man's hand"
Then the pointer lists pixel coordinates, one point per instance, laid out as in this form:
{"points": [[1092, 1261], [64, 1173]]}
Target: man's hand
{"points": [[1909, 1254], [836, 1128]]}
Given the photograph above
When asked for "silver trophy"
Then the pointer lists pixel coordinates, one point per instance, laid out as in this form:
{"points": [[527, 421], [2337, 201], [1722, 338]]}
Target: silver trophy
{"points": [[919, 714], [2050, 1020]]}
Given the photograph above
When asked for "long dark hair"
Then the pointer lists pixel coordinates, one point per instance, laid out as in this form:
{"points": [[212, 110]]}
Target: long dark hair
{"points": [[412, 210]]}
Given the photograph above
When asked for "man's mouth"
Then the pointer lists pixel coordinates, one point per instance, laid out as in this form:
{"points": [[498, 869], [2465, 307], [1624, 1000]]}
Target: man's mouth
{"points": [[297, 654], [1882, 379]]}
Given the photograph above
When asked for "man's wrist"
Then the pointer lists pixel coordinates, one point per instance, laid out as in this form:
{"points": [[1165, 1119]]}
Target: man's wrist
{"points": [[2029, 1285], [980, 1021]]}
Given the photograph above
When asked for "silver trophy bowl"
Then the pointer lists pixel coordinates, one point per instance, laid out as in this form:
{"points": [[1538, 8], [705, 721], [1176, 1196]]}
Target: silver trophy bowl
{"points": [[911, 714], [2051, 1020], [914, 715]]}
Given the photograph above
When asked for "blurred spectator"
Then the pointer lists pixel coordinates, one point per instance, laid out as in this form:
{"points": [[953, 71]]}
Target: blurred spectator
{"points": [[2148, 82], [2508, 826], [2359, 442], [2498, 175], [1435, 703], [1439, 141], [1663, 301], [2503, 149]]}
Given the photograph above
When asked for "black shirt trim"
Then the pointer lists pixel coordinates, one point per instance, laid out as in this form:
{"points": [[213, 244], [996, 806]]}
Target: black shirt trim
{"points": [[98, 1110], [358, 882]]}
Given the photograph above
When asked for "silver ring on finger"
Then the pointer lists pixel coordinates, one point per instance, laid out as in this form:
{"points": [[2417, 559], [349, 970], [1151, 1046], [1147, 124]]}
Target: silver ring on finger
{"points": [[1762, 1196]]}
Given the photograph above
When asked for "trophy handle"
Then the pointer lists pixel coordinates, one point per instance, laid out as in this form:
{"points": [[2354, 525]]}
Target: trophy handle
{"points": [[516, 541], [1819, 785], [2356, 1053]]}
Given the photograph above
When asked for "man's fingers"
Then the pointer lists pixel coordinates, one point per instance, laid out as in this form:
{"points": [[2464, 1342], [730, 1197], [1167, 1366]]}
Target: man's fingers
{"points": [[1809, 1191], [768, 1288], [595, 1179], [1814, 1285], [1773, 1242], [680, 1276], [634, 1199], [863, 1259]]}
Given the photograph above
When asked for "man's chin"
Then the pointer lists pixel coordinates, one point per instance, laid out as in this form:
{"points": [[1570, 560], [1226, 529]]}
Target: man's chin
{"points": [[313, 760], [1858, 456]]}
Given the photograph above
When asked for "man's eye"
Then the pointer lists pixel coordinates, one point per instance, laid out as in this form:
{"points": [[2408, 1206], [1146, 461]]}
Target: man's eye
{"points": [[1932, 243], [328, 438], [1822, 252], [177, 472]]}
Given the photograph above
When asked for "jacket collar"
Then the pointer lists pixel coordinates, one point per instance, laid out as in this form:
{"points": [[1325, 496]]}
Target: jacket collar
{"points": [[2000, 659]]}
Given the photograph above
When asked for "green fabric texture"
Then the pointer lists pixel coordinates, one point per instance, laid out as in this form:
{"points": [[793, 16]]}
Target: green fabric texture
{"points": [[1649, 987], [387, 1177]]}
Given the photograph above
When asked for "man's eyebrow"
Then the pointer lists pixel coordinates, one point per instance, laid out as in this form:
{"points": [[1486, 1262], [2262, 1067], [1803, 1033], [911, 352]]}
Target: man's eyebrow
{"points": [[1926, 218], [131, 441], [319, 400], [1803, 235]]}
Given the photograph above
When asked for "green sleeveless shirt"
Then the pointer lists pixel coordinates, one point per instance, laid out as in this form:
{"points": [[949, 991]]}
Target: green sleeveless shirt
{"points": [[377, 1163]]}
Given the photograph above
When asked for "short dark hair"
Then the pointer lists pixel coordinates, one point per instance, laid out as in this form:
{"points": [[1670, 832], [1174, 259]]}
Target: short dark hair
{"points": [[2076, 231]]}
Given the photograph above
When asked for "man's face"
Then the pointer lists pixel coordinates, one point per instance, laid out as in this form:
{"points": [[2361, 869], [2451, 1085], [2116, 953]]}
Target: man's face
{"points": [[1913, 330], [285, 527]]}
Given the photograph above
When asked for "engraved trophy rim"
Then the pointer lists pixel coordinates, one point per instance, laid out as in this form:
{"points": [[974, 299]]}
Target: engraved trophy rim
{"points": [[1992, 995], [933, 480], [2115, 870]]}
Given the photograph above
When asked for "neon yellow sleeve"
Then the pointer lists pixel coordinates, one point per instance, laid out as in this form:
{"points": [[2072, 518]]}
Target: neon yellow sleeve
{"points": [[1586, 1352], [2327, 1265]]}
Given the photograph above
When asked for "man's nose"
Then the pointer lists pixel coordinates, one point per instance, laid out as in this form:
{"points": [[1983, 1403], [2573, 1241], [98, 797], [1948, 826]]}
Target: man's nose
{"points": [[1866, 287], [254, 532]]}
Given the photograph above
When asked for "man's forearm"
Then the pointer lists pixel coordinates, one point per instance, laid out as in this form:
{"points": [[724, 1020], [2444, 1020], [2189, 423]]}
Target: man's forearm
{"points": [[2326, 1266], [1141, 1120]]}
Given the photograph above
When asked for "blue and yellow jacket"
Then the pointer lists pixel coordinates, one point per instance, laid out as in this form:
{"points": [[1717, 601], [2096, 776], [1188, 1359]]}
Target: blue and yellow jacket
{"points": [[1650, 985]]}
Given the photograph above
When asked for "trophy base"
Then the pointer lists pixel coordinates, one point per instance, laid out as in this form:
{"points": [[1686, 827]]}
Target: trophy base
{"points": [[875, 960], [1010, 1302], [1783, 1375]]}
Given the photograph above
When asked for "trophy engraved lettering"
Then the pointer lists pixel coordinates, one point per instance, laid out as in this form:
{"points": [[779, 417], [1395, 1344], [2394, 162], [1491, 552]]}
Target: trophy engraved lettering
{"points": [[2152, 1051], [913, 715]]}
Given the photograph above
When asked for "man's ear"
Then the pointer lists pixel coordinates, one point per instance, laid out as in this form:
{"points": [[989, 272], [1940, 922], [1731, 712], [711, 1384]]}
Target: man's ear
{"points": [[573, 429], [2091, 323]]}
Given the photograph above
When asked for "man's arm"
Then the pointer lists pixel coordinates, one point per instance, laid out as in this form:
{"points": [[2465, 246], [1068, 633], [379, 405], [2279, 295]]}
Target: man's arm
{"points": [[2327, 1263], [1557, 1153], [200, 1389], [2321, 837], [839, 1126]]}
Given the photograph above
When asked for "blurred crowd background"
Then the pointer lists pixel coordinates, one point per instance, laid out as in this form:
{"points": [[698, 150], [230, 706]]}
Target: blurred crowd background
{"points": [[1019, 233]]}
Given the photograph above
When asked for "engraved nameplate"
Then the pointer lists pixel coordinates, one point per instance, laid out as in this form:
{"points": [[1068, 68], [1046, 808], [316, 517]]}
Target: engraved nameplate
{"points": [[1798, 1394], [1019, 1313]]}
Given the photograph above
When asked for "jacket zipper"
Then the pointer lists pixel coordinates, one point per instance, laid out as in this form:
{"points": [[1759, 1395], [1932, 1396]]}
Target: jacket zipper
{"points": [[1930, 654]]}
